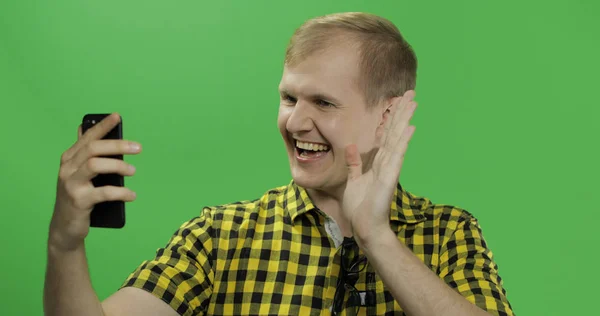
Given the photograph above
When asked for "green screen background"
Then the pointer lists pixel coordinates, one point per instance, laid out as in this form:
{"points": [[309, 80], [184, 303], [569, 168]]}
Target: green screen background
{"points": [[507, 125]]}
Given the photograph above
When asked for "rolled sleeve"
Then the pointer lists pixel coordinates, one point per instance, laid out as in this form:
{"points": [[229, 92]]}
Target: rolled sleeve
{"points": [[467, 265], [181, 273]]}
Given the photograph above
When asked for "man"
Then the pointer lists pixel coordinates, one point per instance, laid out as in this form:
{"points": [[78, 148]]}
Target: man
{"points": [[343, 237]]}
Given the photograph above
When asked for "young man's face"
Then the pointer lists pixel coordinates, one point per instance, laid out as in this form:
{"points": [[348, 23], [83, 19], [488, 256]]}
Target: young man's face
{"points": [[322, 110]]}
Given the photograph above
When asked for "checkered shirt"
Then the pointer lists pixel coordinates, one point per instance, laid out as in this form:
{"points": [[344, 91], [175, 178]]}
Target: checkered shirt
{"points": [[273, 256]]}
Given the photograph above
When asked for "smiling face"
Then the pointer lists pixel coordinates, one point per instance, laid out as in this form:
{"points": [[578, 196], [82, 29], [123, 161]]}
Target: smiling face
{"points": [[322, 110]]}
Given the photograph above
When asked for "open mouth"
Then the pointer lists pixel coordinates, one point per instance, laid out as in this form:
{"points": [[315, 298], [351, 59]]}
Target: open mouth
{"points": [[311, 151]]}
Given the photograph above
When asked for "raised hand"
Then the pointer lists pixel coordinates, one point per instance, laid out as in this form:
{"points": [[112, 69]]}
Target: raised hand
{"points": [[75, 193], [368, 196]]}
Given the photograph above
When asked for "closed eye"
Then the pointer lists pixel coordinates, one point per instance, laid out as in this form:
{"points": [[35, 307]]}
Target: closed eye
{"points": [[323, 103], [288, 98]]}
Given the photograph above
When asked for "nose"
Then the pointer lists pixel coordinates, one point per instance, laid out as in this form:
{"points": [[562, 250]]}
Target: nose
{"points": [[301, 119]]}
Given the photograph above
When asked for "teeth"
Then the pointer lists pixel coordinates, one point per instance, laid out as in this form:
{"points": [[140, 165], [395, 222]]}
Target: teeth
{"points": [[311, 146]]}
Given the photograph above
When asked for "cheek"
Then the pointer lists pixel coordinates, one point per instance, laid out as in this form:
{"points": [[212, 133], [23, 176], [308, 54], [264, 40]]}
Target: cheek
{"points": [[339, 132], [366, 134], [282, 118]]}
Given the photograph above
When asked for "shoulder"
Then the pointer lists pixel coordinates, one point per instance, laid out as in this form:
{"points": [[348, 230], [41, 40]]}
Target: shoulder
{"points": [[244, 210], [447, 227], [444, 216], [230, 220]]}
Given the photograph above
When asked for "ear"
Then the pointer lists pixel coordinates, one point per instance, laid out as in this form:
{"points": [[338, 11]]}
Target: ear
{"points": [[389, 106]]}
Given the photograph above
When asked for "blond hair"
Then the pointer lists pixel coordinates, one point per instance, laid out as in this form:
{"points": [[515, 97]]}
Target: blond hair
{"points": [[388, 65]]}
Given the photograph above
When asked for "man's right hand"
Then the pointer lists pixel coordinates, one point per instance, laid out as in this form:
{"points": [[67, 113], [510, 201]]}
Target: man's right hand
{"points": [[68, 289], [75, 193]]}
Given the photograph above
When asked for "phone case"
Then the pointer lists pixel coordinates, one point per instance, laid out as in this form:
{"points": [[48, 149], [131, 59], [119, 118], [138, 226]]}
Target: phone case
{"points": [[109, 214]]}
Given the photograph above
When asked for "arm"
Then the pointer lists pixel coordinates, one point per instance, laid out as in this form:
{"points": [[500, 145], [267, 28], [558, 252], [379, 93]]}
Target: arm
{"points": [[421, 292], [181, 274], [178, 281], [68, 291], [366, 205]]}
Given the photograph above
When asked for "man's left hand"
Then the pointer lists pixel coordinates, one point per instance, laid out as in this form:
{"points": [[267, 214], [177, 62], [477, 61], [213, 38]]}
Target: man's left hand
{"points": [[368, 196]]}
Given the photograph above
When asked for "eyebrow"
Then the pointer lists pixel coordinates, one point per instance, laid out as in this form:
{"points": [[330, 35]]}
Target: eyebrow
{"points": [[316, 96]]}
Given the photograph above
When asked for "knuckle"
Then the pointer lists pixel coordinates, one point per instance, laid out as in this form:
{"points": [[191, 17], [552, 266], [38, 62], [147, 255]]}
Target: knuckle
{"points": [[78, 204], [92, 164], [90, 148], [77, 197], [72, 191], [63, 174], [124, 146], [106, 193], [109, 193], [64, 157], [103, 194]]}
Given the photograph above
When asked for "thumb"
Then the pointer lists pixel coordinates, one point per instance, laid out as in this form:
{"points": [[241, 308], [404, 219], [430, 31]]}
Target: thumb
{"points": [[353, 162]]}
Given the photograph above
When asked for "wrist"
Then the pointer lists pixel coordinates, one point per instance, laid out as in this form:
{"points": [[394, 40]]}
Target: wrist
{"points": [[376, 239], [59, 244], [62, 238]]}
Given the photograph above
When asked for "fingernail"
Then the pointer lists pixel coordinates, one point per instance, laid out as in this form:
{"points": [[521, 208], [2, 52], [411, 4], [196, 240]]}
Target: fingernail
{"points": [[131, 168], [134, 146]]}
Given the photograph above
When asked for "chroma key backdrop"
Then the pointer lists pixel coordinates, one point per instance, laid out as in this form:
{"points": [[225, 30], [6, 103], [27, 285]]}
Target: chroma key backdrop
{"points": [[507, 125]]}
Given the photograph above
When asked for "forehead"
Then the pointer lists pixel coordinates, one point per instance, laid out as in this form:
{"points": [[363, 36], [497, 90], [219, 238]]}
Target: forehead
{"points": [[332, 71]]}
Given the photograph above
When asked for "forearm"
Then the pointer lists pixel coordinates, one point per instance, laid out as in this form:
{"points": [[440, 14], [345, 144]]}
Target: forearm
{"points": [[68, 289], [416, 288]]}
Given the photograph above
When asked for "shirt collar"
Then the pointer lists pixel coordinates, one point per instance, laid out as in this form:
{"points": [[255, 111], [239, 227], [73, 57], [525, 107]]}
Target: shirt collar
{"points": [[404, 206], [296, 200]]}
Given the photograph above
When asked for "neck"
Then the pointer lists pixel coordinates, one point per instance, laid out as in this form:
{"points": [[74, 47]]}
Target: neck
{"points": [[330, 202]]}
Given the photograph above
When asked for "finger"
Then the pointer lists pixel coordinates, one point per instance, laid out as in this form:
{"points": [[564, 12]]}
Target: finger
{"points": [[401, 104], [68, 154], [96, 165], [110, 193], [102, 128], [105, 147], [409, 95], [353, 162], [397, 157], [405, 99], [96, 132], [399, 125], [383, 131]]}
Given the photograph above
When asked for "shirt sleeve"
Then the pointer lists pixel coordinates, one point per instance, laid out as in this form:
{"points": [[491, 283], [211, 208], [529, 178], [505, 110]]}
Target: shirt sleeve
{"points": [[467, 265], [180, 274]]}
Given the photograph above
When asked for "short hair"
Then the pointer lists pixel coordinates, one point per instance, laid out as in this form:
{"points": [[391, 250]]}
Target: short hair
{"points": [[387, 62]]}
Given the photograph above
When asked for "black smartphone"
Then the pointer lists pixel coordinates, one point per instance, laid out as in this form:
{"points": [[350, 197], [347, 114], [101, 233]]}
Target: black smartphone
{"points": [[109, 214]]}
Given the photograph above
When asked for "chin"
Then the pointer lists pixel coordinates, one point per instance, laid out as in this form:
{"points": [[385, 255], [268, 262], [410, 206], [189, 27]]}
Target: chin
{"points": [[307, 180], [321, 174], [321, 181]]}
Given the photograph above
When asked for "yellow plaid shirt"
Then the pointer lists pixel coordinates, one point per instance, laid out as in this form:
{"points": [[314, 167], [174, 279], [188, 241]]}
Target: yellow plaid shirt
{"points": [[274, 256]]}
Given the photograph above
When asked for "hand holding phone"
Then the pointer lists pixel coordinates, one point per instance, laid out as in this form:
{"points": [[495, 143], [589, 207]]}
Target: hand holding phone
{"points": [[80, 188], [108, 214]]}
